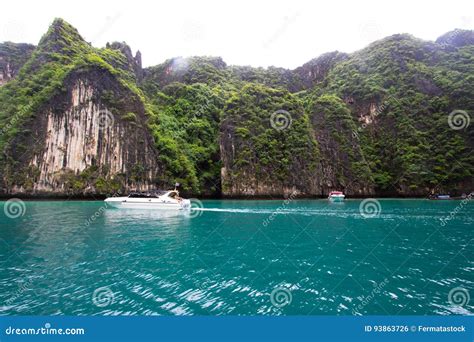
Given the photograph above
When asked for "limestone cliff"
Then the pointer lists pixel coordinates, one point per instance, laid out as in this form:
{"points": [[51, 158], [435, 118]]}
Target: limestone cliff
{"points": [[12, 58], [82, 127], [392, 119], [267, 146], [79, 144], [316, 70]]}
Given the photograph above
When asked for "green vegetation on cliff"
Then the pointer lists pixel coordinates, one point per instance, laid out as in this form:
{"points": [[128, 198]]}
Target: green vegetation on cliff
{"points": [[375, 121], [408, 142], [15, 55], [61, 52], [335, 127], [271, 138], [186, 132]]}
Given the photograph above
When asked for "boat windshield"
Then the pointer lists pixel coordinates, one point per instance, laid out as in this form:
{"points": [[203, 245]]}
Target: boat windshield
{"points": [[151, 194]]}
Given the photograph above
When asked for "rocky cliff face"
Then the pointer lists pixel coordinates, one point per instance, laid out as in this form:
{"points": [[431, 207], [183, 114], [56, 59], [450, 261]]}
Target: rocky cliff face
{"points": [[267, 146], [382, 119], [456, 38], [134, 63], [290, 153], [316, 70], [80, 144], [82, 128], [342, 164], [6, 72], [392, 119], [12, 58]]}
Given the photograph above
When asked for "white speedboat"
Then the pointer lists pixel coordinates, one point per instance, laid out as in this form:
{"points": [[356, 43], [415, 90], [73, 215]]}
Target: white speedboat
{"points": [[151, 200], [336, 196]]}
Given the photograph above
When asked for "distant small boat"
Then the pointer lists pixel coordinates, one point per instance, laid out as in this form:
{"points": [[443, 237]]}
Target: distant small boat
{"points": [[151, 200], [336, 196], [440, 197]]}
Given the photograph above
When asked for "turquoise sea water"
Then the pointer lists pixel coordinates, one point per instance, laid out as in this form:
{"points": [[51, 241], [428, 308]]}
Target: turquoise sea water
{"points": [[302, 257]]}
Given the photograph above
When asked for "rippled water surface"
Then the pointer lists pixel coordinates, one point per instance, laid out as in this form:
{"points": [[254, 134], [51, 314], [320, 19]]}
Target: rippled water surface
{"points": [[79, 258]]}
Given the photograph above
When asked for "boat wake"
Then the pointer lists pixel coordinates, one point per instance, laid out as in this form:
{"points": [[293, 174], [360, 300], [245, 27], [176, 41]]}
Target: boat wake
{"points": [[279, 211], [254, 211], [340, 212]]}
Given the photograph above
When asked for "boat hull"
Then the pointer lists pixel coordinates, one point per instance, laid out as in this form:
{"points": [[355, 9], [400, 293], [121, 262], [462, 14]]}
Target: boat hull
{"points": [[336, 198], [441, 197], [141, 203]]}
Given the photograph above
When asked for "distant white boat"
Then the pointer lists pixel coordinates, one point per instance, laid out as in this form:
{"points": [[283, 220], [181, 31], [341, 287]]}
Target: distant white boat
{"points": [[336, 196], [440, 197], [169, 199]]}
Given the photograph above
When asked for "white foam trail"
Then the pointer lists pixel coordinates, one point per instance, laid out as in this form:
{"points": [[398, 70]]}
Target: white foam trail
{"points": [[311, 212], [303, 212], [252, 211]]}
